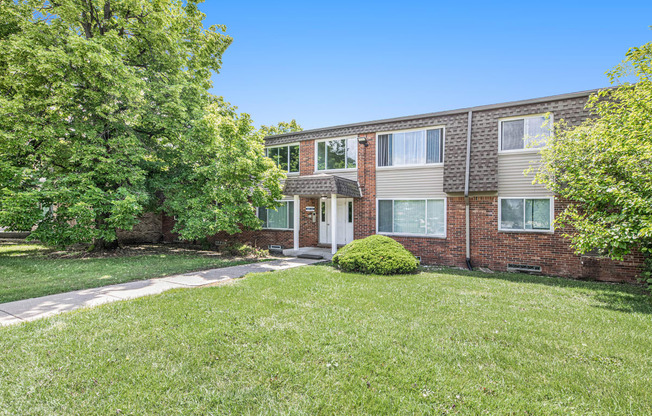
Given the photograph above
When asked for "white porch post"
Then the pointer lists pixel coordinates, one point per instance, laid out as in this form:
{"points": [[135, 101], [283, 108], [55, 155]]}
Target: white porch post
{"points": [[297, 221], [333, 223]]}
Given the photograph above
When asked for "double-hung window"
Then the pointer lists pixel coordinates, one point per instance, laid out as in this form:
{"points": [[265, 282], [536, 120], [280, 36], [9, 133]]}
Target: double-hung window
{"points": [[408, 148], [526, 214], [425, 217], [285, 157], [281, 218], [337, 154], [531, 132]]}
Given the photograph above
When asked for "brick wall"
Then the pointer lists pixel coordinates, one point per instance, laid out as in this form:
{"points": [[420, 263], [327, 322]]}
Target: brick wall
{"points": [[364, 209], [495, 249], [147, 230]]}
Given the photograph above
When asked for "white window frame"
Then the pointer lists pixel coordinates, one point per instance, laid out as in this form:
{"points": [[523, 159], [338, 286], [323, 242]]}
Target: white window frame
{"points": [[347, 169], [288, 145], [443, 236], [551, 123], [511, 230], [288, 219], [424, 165]]}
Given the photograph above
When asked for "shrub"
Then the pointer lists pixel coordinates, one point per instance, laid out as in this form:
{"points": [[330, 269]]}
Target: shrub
{"points": [[243, 250], [376, 254]]}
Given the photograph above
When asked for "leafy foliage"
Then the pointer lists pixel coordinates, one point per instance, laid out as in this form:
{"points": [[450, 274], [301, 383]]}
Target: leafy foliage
{"points": [[604, 165], [105, 112], [376, 254]]}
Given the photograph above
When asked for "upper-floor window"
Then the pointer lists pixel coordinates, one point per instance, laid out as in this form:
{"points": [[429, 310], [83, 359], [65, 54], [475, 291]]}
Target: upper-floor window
{"points": [[408, 148], [529, 132], [286, 157], [337, 154]]}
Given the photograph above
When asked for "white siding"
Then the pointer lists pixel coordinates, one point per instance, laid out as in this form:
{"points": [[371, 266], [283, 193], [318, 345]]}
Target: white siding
{"points": [[511, 178], [426, 182], [348, 174]]}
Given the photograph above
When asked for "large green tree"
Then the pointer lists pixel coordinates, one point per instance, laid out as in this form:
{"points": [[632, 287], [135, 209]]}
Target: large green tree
{"points": [[604, 165], [105, 114]]}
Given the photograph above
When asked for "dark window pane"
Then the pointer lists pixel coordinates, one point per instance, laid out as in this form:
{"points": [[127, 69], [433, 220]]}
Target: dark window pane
{"points": [[385, 216], [350, 211], [283, 158], [511, 214], [434, 146], [323, 211], [294, 158], [321, 155], [385, 150], [336, 154], [513, 133], [291, 214], [273, 154], [262, 214]]}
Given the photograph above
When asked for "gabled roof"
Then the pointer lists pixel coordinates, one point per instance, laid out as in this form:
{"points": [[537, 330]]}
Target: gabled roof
{"points": [[321, 185]]}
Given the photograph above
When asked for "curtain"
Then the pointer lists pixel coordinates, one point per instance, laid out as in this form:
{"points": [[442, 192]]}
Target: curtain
{"points": [[385, 216], [511, 214], [278, 218], [512, 134], [435, 217], [410, 217]]}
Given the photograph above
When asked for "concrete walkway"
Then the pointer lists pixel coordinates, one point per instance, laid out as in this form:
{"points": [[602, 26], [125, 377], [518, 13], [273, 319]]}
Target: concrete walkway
{"points": [[36, 308]]}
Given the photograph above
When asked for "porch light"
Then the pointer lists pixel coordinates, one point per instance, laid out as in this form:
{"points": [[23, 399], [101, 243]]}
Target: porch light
{"points": [[362, 139]]}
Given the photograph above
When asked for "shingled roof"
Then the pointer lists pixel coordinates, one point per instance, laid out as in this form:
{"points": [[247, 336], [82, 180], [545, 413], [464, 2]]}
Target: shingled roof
{"points": [[322, 185]]}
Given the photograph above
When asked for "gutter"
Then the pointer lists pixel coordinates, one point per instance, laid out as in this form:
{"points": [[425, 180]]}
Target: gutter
{"points": [[466, 192]]}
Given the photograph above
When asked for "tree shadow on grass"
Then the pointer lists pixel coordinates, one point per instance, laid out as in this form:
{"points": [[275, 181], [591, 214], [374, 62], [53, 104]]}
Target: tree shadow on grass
{"points": [[621, 297]]}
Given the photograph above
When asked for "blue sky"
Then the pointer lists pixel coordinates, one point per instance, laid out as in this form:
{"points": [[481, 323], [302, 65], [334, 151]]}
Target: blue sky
{"points": [[337, 62]]}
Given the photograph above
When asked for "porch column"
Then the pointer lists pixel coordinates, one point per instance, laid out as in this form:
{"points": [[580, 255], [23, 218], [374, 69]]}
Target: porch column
{"points": [[333, 223], [297, 221]]}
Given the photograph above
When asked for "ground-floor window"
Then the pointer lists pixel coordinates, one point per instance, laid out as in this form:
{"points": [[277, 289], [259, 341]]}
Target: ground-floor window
{"points": [[281, 218], [425, 217], [525, 214]]}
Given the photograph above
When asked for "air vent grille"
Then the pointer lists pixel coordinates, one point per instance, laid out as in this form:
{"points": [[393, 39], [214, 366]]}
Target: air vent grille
{"points": [[523, 268]]}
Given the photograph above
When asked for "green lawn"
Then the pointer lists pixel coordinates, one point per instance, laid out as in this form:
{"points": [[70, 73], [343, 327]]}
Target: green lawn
{"points": [[315, 341], [29, 270]]}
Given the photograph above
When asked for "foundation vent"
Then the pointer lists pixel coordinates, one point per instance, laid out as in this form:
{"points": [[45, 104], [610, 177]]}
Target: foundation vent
{"points": [[523, 268]]}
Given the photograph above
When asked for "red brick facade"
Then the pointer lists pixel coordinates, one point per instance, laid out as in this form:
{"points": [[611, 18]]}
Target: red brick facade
{"points": [[490, 247]]}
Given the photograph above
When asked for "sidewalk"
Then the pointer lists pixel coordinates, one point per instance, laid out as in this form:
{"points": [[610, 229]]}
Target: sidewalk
{"points": [[31, 309]]}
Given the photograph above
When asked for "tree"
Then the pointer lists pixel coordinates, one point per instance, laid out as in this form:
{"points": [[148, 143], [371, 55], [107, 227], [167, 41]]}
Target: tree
{"points": [[105, 114], [604, 166]]}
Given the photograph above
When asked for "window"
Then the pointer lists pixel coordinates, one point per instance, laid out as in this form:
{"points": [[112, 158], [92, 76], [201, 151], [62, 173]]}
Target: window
{"points": [[323, 211], [337, 154], [280, 218], [350, 211], [411, 148], [286, 157], [412, 216], [525, 133], [525, 214]]}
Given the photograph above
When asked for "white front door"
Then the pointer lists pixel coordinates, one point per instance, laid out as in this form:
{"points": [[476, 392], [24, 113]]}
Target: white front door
{"points": [[344, 221]]}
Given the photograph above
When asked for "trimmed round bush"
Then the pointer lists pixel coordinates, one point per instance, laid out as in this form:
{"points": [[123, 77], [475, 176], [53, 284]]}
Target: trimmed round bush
{"points": [[376, 254]]}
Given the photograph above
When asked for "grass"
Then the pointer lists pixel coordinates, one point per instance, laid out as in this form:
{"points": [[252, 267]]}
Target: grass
{"points": [[316, 341], [29, 270]]}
